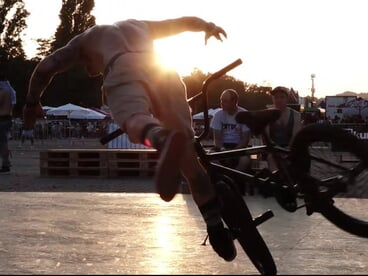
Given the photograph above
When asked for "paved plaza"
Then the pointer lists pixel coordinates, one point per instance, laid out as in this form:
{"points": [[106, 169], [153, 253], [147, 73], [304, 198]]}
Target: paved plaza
{"points": [[120, 226]]}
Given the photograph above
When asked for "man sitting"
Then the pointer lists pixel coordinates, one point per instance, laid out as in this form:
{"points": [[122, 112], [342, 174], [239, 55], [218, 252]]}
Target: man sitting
{"points": [[228, 134]]}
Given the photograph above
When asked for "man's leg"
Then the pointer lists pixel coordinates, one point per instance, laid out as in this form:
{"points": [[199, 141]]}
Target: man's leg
{"points": [[147, 130], [209, 206], [244, 165]]}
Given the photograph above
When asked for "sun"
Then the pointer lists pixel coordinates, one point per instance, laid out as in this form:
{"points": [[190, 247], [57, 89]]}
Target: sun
{"points": [[182, 53]]}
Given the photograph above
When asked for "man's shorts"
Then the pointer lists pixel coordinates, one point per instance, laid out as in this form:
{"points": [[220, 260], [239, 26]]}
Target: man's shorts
{"points": [[136, 85]]}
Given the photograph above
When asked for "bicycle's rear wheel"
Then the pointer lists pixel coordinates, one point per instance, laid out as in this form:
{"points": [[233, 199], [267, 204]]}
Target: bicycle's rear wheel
{"points": [[238, 218], [336, 162]]}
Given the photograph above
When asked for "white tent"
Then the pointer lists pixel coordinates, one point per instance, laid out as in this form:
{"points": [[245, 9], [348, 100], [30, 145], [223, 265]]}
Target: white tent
{"points": [[73, 111], [66, 110], [92, 115], [46, 107]]}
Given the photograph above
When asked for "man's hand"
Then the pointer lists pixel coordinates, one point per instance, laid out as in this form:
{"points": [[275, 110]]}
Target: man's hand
{"points": [[213, 30], [30, 115]]}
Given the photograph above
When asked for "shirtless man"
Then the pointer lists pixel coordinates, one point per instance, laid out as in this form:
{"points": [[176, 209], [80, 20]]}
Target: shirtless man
{"points": [[136, 87]]}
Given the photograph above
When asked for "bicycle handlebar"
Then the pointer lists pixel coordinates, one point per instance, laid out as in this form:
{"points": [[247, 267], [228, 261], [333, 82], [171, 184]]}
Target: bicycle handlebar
{"points": [[104, 140]]}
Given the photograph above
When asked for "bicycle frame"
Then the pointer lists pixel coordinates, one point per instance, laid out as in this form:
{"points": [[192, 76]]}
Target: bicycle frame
{"points": [[208, 158], [287, 182]]}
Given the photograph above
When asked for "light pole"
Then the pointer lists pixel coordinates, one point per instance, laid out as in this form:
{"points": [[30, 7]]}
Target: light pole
{"points": [[312, 89]]}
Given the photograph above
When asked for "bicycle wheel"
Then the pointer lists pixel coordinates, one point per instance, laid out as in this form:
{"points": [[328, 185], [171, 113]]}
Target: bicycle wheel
{"points": [[238, 218], [331, 166]]}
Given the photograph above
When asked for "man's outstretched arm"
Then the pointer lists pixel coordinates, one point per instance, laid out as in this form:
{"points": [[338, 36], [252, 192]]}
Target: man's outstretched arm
{"points": [[42, 75], [169, 27], [46, 69]]}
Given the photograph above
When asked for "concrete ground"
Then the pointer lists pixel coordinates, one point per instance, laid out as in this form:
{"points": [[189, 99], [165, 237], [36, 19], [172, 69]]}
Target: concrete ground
{"points": [[121, 226]]}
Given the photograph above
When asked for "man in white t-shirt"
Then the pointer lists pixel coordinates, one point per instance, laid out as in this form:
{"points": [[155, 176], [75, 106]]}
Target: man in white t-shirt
{"points": [[227, 133]]}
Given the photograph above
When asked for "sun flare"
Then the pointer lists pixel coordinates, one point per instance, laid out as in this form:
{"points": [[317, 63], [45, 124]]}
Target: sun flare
{"points": [[179, 53]]}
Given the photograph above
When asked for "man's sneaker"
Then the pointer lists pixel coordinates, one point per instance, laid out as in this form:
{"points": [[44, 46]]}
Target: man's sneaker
{"points": [[168, 173], [4, 170], [222, 242]]}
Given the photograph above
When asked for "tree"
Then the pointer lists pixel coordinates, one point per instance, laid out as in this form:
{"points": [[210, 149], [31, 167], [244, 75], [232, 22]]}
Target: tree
{"points": [[43, 49], [12, 56], [75, 17], [255, 97], [73, 86], [12, 23]]}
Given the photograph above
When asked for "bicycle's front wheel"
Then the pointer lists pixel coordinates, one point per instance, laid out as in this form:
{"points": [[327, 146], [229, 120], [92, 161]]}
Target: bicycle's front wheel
{"points": [[238, 218], [331, 166]]}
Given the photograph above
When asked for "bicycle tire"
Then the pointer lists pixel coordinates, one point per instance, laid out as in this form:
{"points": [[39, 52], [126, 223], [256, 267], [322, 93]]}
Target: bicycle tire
{"points": [[238, 219], [330, 144]]}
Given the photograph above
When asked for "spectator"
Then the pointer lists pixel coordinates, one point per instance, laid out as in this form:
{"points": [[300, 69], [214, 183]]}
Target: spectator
{"points": [[5, 85], [229, 134], [284, 129], [7, 102]]}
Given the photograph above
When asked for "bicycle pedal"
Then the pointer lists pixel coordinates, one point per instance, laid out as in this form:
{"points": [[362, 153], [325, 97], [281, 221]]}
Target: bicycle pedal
{"points": [[264, 217]]}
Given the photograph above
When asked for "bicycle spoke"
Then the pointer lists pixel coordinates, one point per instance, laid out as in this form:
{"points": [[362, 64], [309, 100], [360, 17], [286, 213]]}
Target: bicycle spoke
{"points": [[339, 174]]}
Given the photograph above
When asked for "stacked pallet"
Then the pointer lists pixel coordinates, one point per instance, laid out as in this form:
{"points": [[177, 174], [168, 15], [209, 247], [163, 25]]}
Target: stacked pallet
{"points": [[131, 162], [97, 162]]}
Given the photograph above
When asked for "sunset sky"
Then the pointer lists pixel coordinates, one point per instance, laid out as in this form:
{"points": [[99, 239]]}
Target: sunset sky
{"points": [[281, 42]]}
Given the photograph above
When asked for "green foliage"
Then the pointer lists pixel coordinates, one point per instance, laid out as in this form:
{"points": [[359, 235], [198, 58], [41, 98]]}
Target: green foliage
{"points": [[75, 17], [12, 56], [43, 49], [12, 23], [73, 86]]}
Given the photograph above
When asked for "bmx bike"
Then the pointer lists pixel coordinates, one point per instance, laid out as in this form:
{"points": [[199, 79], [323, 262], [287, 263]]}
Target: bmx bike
{"points": [[311, 174]]}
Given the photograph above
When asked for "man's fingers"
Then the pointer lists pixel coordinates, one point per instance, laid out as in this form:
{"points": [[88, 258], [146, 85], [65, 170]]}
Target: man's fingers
{"points": [[216, 32]]}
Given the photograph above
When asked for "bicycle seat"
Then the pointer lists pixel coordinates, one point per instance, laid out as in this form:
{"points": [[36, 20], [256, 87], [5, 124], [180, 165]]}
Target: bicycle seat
{"points": [[259, 119]]}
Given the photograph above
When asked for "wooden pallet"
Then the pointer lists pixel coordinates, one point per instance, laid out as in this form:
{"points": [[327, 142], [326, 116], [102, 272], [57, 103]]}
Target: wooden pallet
{"points": [[74, 172], [132, 162], [98, 162]]}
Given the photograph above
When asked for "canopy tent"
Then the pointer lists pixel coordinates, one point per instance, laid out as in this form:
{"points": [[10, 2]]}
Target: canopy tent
{"points": [[73, 111], [46, 107], [107, 114], [92, 115]]}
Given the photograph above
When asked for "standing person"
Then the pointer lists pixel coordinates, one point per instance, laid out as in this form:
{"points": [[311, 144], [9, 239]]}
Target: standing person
{"points": [[136, 87], [7, 102], [227, 132], [284, 129], [5, 85]]}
